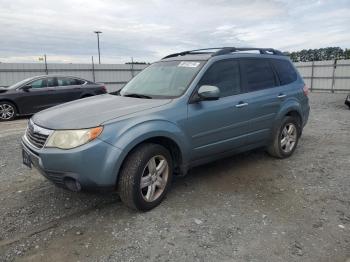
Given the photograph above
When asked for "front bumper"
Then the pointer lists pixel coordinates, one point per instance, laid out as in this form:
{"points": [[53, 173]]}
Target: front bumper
{"points": [[94, 165]]}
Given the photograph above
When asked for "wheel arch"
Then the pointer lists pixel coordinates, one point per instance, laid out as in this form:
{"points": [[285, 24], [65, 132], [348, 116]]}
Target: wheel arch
{"points": [[290, 108], [170, 144], [167, 142], [296, 114]]}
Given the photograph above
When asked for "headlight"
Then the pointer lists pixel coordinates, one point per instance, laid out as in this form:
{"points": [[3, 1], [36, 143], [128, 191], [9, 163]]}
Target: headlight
{"points": [[67, 139]]}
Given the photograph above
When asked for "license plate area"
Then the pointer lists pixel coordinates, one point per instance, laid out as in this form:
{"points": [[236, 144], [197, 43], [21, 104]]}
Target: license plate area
{"points": [[27, 160]]}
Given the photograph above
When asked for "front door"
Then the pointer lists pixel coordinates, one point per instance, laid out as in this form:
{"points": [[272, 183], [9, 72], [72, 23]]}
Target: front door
{"points": [[38, 97], [220, 125]]}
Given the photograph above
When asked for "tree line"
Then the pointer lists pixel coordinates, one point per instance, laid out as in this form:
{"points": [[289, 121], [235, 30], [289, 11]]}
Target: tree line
{"points": [[137, 63], [328, 53], [305, 55]]}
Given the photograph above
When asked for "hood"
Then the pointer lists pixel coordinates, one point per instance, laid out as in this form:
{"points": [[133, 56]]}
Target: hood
{"points": [[93, 111], [3, 90]]}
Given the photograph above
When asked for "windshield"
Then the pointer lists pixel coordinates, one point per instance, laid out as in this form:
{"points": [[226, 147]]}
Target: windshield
{"points": [[19, 83], [163, 80]]}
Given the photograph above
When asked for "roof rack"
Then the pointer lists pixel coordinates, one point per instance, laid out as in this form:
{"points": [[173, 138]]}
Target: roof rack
{"points": [[225, 51]]}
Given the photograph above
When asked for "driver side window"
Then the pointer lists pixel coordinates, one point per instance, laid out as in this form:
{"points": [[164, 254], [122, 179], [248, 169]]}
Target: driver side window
{"points": [[224, 75], [39, 83]]}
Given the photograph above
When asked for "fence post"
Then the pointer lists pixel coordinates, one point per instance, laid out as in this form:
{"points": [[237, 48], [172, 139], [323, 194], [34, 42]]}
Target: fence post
{"points": [[93, 68], [333, 75], [312, 75], [132, 67], [46, 69]]}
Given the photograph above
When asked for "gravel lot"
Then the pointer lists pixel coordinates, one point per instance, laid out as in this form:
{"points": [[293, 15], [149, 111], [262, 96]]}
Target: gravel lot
{"points": [[249, 207]]}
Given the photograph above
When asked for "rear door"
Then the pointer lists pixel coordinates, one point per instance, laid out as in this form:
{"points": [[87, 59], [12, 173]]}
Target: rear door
{"points": [[220, 125], [263, 97], [69, 89]]}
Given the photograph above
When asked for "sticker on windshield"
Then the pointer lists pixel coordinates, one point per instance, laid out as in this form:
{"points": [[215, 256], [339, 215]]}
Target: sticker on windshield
{"points": [[188, 64]]}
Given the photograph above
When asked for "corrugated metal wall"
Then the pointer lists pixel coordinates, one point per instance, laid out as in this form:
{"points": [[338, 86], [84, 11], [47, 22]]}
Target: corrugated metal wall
{"points": [[319, 76], [113, 75], [333, 76]]}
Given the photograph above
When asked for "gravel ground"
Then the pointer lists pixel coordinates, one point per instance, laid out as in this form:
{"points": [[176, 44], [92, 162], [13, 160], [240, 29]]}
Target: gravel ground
{"points": [[249, 207]]}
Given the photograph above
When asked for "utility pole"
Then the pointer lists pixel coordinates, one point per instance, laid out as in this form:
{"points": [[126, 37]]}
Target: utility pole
{"points": [[98, 45]]}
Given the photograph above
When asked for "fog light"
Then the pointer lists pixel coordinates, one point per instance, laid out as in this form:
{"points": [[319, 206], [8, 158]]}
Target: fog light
{"points": [[72, 184]]}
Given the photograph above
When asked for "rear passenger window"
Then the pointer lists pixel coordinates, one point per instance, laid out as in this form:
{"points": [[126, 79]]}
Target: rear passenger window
{"points": [[79, 82], [66, 81], [224, 75], [285, 71], [51, 82], [258, 74]]}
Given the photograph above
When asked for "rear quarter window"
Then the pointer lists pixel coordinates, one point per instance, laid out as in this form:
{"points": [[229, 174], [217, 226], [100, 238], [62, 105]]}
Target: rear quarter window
{"points": [[285, 71]]}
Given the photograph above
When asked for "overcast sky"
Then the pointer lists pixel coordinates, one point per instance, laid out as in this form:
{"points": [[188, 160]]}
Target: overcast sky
{"points": [[151, 29]]}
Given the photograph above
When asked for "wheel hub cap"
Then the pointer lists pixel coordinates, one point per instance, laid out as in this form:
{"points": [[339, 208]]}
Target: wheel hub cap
{"points": [[288, 137], [6, 111]]}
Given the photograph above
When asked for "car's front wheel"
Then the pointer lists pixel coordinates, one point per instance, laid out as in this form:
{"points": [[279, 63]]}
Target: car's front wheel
{"points": [[145, 177], [285, 138], [7, 111]]}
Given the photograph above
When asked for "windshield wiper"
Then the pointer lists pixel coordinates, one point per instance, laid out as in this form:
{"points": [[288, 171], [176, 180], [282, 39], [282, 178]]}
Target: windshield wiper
{"points": [[137, 96]]}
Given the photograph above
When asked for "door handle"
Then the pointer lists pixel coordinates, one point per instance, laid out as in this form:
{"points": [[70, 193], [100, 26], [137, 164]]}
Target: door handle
{"points": [[241, 105], [281, 96]]}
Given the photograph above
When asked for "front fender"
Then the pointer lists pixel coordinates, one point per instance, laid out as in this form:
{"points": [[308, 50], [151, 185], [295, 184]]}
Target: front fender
{"points": [[128, 135]]}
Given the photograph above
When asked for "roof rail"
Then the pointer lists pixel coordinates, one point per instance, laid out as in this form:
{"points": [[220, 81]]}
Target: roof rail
{"points": [[196, 51], [228, 50], [225, 51]]}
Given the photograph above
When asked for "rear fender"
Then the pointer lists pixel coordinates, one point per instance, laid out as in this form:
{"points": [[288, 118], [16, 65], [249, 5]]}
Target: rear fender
{"points": [[288, 106]]}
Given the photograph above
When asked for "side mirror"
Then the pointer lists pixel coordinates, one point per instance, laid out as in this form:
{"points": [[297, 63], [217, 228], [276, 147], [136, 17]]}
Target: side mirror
{"points": [[209, 93], [26, 87]]}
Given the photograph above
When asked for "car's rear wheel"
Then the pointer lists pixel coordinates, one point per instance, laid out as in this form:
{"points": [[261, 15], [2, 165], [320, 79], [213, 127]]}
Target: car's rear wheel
{"points": [[285, 138], [347, 101], [7, 111], [145, 177]]}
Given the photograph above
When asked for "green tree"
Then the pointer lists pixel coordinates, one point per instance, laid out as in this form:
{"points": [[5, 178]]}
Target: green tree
{"points": [[328, 53]]}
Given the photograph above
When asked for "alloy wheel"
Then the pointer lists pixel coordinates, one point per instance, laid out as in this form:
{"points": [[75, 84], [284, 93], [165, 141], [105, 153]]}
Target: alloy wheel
{"points": [[289, 137], [154, 178], [6, 111]]}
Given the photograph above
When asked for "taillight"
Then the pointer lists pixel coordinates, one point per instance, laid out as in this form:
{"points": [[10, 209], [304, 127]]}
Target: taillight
{"points": [[306, 90], [104, 88]]}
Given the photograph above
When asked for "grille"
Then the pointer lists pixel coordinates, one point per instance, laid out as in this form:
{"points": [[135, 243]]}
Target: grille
{"points": [[36, 135]]}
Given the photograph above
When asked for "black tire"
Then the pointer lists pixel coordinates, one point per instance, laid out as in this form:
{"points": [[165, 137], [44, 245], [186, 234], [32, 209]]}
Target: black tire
{"points": [[276, 149], [134, 168], [347, 102], [9, 106]]}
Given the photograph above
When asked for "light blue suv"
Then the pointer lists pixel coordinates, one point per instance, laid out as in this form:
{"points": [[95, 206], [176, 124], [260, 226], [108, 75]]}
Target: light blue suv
{"points": [[187, 109]]}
